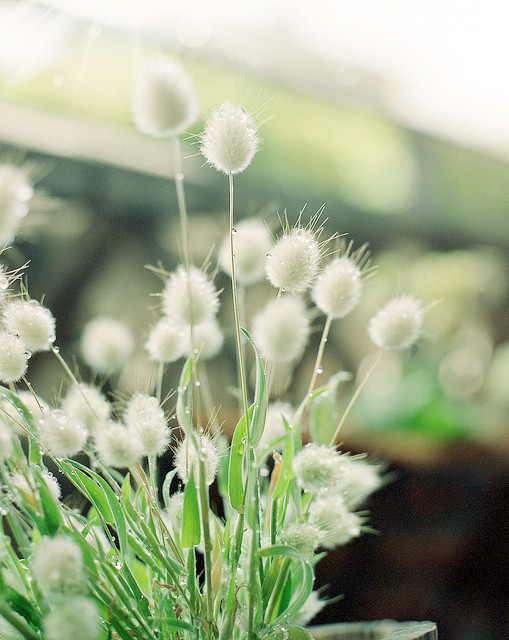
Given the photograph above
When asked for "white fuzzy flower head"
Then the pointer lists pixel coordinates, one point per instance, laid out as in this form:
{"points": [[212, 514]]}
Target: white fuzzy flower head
{"points": [[5, 442], [76, 618], [26, 487], [336, 524], [87, 405], [186, 458], [58, 565], [63, 435], [310, 609], [293, 262], [398, 324], [274, 426], [316, 468], [165, 341], [145, 417], [117, 445], [163, 99], [207, 335], [106, 345], [303, 536], [359, 479], [173, 515], [281, 329], [189, 297], [36, 405], [15, 194], [13, 357], [229, 141], [338, 288], [252, 242], [13, 419], [32, 322]]}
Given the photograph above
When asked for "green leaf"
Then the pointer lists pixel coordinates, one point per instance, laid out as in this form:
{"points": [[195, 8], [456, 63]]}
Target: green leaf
{"points": [[298, 633], [286, 472], [34, 453], [323, 409], [235, 479], [257, 422], [304, 585], [50, 506], [191, 531]]}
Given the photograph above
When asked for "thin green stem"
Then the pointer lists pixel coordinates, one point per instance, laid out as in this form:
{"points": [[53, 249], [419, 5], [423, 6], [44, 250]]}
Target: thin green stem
{"points": [[181, 203], [354, 397], [319, 356], [236, 314], [207, 544]]}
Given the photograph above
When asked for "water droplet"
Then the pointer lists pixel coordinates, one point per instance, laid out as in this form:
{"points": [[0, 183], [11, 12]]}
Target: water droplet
{"points": [[319, 370], [56, 349], [234, 231], [197, 383], [179, 176], [264, 472]]}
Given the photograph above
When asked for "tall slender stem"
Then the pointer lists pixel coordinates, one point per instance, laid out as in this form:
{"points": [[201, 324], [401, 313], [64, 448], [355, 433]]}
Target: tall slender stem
{"points": [[236, 314], [181, 203], [355, 396], [207, 544], [319, 355]]}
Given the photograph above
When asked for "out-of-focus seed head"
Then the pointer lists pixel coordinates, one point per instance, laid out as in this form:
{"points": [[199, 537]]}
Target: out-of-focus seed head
{"points": [[87, 405], [252, 242], [63, 435], [15, 194], [163, 99], [117, 445], [145, 417], [207, 335], [165, 342], [189, 297], [338, 288], [13, 357], [106, 345], [398, 324]]}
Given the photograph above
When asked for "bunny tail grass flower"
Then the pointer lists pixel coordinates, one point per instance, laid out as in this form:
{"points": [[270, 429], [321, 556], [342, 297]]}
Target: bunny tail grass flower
{"points": [[15, 194], [173, 515], [274, 426], [163, 99], [165, 341], [229, 140], [13, 419], [281, 329], [335, 523], [251, 243], [87, 405], [338, 288], [75, 618], [63, 435], [317, 468], [13, 357], [293, 262], [58, 565], [106, 345], [186, 458], [32, 322], [398, 324], [144, 416], [359, 479], [303, 536], [118, 446], [189, 297]]}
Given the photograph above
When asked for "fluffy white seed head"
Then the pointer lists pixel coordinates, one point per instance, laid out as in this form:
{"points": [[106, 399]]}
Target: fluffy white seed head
{"points": [[252, 242], [173, 515], [146, 418], [303, 536], [187, 458], [189, 297], [117, 445], [63, 435], [274, 426], [87, 405], [13, 357], [165, 341], [27, 487], [336, 524], [338, 288], [32, 322], [310, 609], [15, 194], [5, 442], [359, 479], [281, 329], [76, 618], [58, 565], [163, 99], [293, 262], [316, 468], [106, 345], [398, 324], [229, 141], [207, 335]]}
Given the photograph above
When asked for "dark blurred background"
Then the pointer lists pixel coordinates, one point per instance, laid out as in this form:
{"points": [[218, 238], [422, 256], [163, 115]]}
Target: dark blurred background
{"points": [[396, 120]]}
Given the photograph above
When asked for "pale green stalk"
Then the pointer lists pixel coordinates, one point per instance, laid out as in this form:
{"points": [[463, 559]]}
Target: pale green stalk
{"points": [[207, 543], [354, 398], [319, 356]]}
